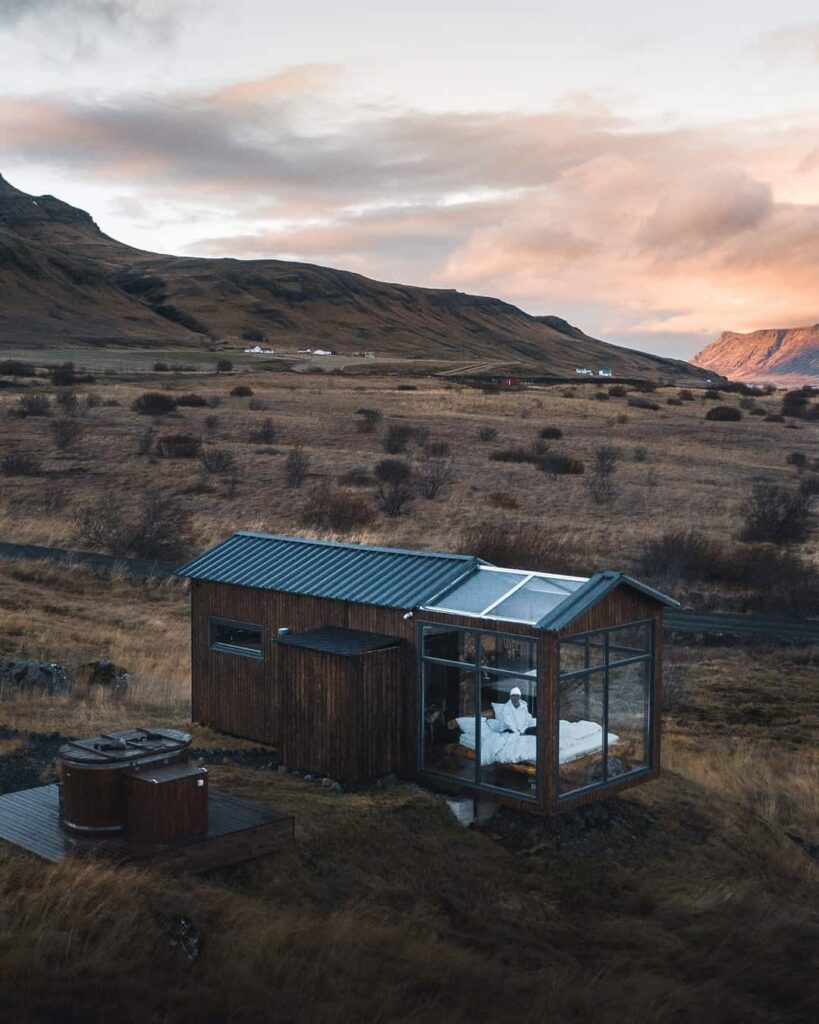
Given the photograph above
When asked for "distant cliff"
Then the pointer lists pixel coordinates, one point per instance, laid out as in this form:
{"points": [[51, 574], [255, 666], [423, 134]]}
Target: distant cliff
{"points": [[786, 355]]}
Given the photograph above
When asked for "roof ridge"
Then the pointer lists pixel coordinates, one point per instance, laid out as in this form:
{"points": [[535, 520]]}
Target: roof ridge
{"points": [[349, 544]]}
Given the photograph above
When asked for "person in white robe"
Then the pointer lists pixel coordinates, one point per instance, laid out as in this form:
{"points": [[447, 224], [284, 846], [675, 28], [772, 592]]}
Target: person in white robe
{"points": [[514, 714]]}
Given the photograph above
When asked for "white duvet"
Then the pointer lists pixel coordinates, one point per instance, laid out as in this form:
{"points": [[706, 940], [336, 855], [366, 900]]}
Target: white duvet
{"points": [[577, 739]]}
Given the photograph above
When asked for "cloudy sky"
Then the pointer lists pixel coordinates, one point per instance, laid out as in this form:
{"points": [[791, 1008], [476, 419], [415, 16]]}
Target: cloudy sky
{"points": [[647, 170]]}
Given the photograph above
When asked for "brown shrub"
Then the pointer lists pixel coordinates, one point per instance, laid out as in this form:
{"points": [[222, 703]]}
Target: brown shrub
{"points": [[358, 476], [530, 455], [242, 391], [20, 464], [154, 403], [178, 446], [776, 515], [192, 400], [525, 546], [155, 527], [65, 433], [726, 413], [643, 403], [487, 434], [561, 465], [551, 433], [502, 499], [217, 460], [392, 471], [295, 467], [334, 509], [33, 405]]}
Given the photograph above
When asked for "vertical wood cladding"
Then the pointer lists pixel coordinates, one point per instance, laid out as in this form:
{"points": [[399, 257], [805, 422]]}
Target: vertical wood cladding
{"points": [[343, 714], [243, 696], [167, 804]]}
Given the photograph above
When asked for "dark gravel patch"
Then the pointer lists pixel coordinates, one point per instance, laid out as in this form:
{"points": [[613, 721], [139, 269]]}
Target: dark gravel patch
{"points": [[604, 828]]}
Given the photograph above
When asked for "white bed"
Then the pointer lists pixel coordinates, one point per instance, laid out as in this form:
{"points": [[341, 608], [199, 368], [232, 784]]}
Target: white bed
{"points": [[577, 739]]}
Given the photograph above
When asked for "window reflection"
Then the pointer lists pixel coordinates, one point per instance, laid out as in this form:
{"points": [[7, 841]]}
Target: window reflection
{"points": [[603, 705]]}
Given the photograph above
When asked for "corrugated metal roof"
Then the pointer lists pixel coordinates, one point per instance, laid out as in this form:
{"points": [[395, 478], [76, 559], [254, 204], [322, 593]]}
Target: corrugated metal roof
{"points": [[392, 577], [593, 591], [334, 640]]}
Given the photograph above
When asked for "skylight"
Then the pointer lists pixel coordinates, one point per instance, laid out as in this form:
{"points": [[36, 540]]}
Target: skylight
{"points": [[511, 595]]}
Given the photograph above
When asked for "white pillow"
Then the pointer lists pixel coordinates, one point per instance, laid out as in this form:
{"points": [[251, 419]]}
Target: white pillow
{"points": [[497, 709], [493, 725], [466, 724]]}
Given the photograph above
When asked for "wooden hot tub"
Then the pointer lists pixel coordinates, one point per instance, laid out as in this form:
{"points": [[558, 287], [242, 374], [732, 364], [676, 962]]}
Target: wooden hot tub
{"points": [[94, 773]]}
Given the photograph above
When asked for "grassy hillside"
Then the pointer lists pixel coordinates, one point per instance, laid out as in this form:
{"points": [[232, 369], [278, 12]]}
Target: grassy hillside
{"points": [[64, 282], [688, 899]]}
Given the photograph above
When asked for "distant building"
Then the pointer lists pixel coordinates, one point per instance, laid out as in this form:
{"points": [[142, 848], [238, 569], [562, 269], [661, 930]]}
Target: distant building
{"points": [[604, 373], [584, 372]]}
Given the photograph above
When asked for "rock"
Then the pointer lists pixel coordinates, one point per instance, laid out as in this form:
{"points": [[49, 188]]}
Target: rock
{"points": [[336, 788], [186, 936], [27, 674], [308, 777], [283, 769], [106, 674], [328, 783]]}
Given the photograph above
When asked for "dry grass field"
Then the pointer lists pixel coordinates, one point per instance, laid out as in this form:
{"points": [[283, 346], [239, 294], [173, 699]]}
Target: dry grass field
{"points": [[694, 898], [675, 469], [691, 899]]}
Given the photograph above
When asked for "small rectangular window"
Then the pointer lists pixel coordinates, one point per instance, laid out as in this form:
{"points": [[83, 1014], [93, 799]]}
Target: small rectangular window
{"points": [[236, 638]]}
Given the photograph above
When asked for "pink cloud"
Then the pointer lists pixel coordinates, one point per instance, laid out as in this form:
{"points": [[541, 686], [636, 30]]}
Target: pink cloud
{"points": [[686, 230]]}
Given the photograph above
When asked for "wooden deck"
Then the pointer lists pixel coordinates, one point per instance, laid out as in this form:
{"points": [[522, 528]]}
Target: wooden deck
{"points": [[238, 830]]}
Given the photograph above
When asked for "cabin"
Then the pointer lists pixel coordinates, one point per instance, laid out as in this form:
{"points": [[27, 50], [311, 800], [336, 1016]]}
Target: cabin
{"points": [[538, 690]]}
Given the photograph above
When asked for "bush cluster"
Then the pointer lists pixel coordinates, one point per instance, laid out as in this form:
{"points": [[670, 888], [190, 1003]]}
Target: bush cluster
{"points": [[154, 403]]}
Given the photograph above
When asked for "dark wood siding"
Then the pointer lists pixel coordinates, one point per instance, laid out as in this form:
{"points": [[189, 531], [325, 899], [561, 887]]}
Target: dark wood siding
{"points": [[241, 695], [343, 715]]}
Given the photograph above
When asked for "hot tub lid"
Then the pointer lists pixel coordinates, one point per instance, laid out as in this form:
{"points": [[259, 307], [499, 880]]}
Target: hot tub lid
{"points": [[124, 748]]}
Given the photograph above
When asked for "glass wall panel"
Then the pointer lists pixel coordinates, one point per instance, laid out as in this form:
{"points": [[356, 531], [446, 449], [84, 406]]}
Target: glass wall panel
{"points": [[450, 644], [629, 641], [508, 653], [509, 724], [449, 716], [581, 720], [604, 708], [474, 728], [628, 716]]}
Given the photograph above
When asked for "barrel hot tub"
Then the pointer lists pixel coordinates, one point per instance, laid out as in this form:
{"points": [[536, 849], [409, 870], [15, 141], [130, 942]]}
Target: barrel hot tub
{"points": [[94, 772]]}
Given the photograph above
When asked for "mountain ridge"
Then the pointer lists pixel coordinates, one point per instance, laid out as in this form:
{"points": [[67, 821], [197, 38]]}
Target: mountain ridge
{"points": [[775, 355], [64, 281]]}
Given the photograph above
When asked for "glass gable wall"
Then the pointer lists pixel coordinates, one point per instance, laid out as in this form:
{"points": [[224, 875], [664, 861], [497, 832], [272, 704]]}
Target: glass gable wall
{"points": [[604, 706], [475, 729]]}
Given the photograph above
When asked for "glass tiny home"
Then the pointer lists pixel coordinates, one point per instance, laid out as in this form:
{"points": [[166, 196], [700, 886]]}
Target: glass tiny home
{"points": [[581, 656], [355, 661]]}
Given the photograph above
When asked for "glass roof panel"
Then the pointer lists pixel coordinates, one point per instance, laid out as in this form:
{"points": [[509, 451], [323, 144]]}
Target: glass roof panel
{"points": [[482, 589], [535, 599]]}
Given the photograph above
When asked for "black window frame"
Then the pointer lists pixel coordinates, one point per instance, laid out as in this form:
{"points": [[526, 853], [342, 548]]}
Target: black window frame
{"points": [[223, 648], [649, 657], [473, 785]]}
